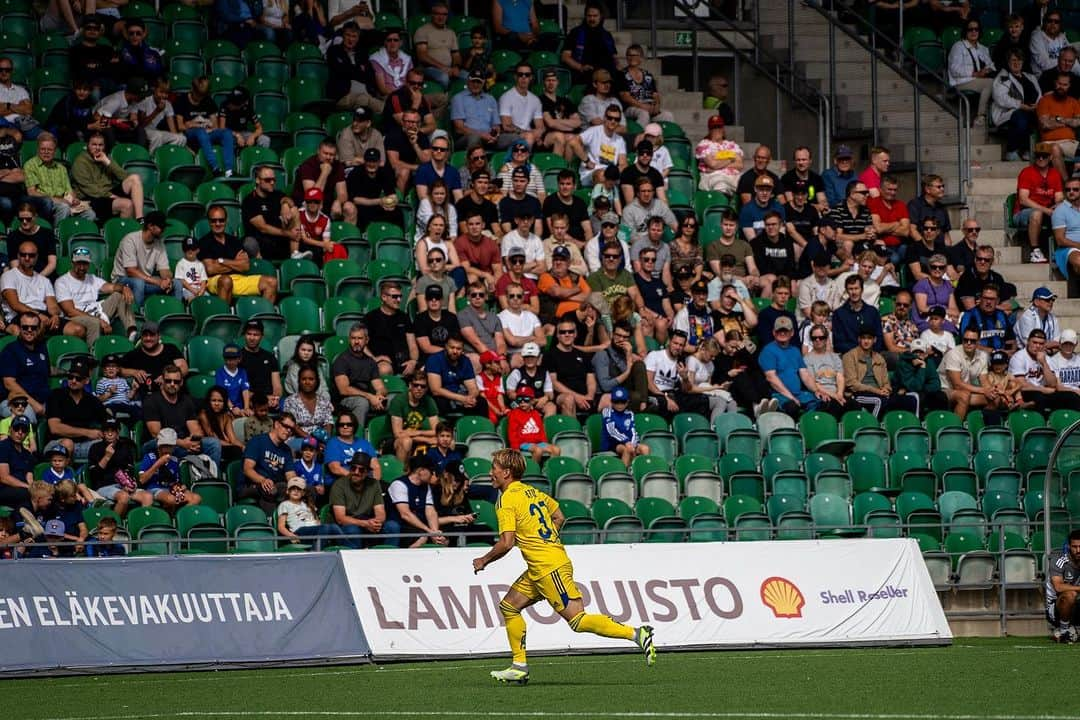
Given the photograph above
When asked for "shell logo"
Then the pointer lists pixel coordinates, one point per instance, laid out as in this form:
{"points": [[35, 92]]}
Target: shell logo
{"points": [[782, 597]]}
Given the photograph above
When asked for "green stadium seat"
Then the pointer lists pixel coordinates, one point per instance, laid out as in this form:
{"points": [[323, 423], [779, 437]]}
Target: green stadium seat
{"points": [[301, 315], [832, 515], [660, 520], [953, 439], [868, 472], [836, 482], [856, 420], [1021, 421], [204, 354], [199, 385], [110, 344], [200, 525], [867, 503], [93, 515], [64, 349]]}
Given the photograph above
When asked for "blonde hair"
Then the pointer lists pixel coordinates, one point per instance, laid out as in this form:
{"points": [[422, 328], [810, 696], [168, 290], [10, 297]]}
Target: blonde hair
{"points": [[622, 307], [510, 460], [41, 489], [65, 491], [287, 202], [452, 494], [711, 345], [820, 307]]}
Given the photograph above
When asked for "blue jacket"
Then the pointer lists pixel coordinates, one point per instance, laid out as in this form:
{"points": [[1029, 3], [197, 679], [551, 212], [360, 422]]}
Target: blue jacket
{"points": [[846, 324], [618, 428]]}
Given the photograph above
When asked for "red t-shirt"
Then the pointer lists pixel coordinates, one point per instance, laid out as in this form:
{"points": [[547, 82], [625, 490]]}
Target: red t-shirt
{"points": [[527, 284], [524, 426], [309, 170], [887, 214], [317, 229], [870, 178], [1043, 190], [482, 256]]}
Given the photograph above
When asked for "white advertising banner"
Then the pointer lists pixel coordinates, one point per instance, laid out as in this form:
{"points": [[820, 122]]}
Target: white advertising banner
{"points": [[428, 602]]}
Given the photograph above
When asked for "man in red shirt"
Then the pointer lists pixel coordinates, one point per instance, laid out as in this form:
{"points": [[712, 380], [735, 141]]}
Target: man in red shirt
{"points": [[875, 171], [1039, 189], [1059, 116], [479, 252], [892, 222]]}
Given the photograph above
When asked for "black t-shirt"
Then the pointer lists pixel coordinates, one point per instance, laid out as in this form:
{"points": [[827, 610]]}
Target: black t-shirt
{"points": [[152, 365], [359, 184], [171, 415], [560, 108], [90, 62], [387, 333], [359, 371], [632, 172], [260, 366], [510, 208], [211, 249], [774, 258], [271, 247], [206, 109], [747, 179], [815, 182], [43, 239], [123, 458], [918, 252], [87, 413], [395, 140], [652, 292], [18, 459], [466, 206], [239, 119], [571, 367], [577, 211], [438, 332]]}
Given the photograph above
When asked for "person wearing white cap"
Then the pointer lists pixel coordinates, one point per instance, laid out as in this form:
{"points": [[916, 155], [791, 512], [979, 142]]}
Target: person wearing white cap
{"points": [[1039, 314], [77, 292], [661, 158], [298, 518], [917, 377], [531, 373], [1066, 363]]}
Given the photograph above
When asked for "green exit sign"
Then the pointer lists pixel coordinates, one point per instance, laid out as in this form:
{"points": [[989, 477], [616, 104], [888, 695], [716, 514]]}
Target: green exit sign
{"points": [[684, 38]]}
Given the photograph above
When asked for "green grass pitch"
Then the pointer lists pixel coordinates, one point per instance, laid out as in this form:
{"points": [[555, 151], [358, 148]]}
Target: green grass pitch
{"points": [[1002, 678]]}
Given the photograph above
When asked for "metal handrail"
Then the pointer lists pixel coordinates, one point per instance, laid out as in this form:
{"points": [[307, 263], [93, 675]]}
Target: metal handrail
{"points": [[876, 41]]}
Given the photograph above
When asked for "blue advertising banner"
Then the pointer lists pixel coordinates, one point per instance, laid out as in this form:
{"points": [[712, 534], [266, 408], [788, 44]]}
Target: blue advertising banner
{"points": [[115, 614]]}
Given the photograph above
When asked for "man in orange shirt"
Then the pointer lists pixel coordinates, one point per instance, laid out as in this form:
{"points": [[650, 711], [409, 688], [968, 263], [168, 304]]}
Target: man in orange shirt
{"points": [[561, 290], [1059, 116]]}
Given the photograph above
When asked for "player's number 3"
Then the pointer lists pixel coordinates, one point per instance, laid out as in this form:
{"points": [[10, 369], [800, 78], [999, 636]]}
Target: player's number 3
{"points": [[540, 511]]}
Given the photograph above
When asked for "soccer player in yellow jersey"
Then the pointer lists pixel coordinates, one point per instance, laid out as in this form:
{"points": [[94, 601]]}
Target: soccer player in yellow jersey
{"points": [[531, 520]]}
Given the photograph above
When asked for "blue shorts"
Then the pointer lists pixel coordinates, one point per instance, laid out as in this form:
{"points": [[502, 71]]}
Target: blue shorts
{"points": [[530, 446], [1022, 218], [1061, 258]]}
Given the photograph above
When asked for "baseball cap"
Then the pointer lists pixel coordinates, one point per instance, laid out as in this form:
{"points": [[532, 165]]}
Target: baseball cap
{"points": [[372, 155], [1044, 148], [254, 325], [700, 286], [684, 272], [232, 350], [800, 186], [609, 219], [55, 527], [80, 254], [526, 391], [150, 328], [238, 95], [644, 147], [477, 75], [936, 311], [611, 172], [361, 113], [715, 121], [1043, 293], [166, 436], [783, 323], [110, 421], [655, 130], [561, 251], [918, 345], [549, 72], [516, 251], [92, 20], [1068, 336], [360, 459], [490, 356], [530, 349], [296, 483], [56, 448], [309, 442], [998, 357], [433, 292], [22, 422], [136, 86], [313, 193], [600, 74], [520, 170], [843, 151], [190, 243], [601, 201], [619, 394], [321, 435]]}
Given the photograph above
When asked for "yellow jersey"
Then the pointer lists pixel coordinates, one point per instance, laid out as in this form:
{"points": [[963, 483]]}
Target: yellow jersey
{"points": [[527, 512]]}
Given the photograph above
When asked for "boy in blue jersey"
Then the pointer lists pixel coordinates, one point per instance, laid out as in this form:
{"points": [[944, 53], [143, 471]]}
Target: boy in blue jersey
{"points": [[234, 380], [308, 467], [531, 520], [618, 432]]}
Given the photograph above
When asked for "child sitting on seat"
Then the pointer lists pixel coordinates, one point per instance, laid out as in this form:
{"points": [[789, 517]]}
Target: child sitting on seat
{"points": [[525, 427], [618, 432]]}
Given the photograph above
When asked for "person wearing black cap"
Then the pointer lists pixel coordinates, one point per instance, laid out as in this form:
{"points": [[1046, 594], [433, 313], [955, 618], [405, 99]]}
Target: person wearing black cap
{"points": [[434, 325], [110, 190], [142, 263], [358, 506], [241, 119], [640, 168], [803, 172], [866, 376], [75, 415], [696, 319], [561, 290], [156, 109], [475, 114], [110, 468], [90, 60], [349, 79], [353, 141], [411, 505]]}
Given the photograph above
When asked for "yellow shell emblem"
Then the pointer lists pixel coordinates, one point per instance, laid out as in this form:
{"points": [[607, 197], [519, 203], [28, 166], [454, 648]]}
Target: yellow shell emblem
{"points": [[782, 597]]}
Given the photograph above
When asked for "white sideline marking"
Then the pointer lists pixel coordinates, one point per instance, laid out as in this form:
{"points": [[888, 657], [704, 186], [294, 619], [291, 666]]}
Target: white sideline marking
{"points": [[530, 714]]}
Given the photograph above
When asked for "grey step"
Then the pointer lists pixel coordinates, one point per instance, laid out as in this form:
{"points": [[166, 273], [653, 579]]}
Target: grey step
{"points": [[998, 169]]}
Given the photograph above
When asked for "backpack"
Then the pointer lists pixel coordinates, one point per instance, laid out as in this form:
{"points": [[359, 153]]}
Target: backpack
{"points": [[200, 467]]}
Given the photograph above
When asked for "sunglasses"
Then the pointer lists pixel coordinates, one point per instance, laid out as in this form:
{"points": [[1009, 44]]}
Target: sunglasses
{"points": [[611, 257], [514, 296], [902, 305], [568, 332], [29, 327], [524, 74], [818, 337], [346, 424], [647, 259], [26, 219], [417, 85], [419, 386], [1068, 189], [517, 261], [217, 221], [930, 228], [611, 118], [167, 381], [478, 295], [73, 377], [763, 187], [396, 296], [937, 267], [18, 403], [983, 259], [970, 341], [439, 149], [521, 149], [290, 427], [6, 68], [975, 230], [268, 179], [28, 255], [1042, 156]]}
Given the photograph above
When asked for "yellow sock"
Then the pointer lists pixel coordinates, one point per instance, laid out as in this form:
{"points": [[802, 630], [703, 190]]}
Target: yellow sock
{"points": [[515, 631], [601, 625]]}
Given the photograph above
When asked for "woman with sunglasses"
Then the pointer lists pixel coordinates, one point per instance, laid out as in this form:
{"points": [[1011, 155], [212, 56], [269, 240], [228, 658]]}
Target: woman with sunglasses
{"points": [[971, 69], [476, 159], [935, 290], [346, 443], [685, 249], [26, 229]]}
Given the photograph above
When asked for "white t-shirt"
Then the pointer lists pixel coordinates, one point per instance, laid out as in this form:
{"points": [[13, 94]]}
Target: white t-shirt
{"points": [[970, 369], [943, 343], [1067, 371], [297, 515], [148, 105], [522, 325], [193, 271], [666, 369], [116, 106], [1023, 365], [521, 109], [399, 493], [31, 290], [14, 95], [532, 245], [661, 159], [82, 293], [601, 148], [700, 373]]}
